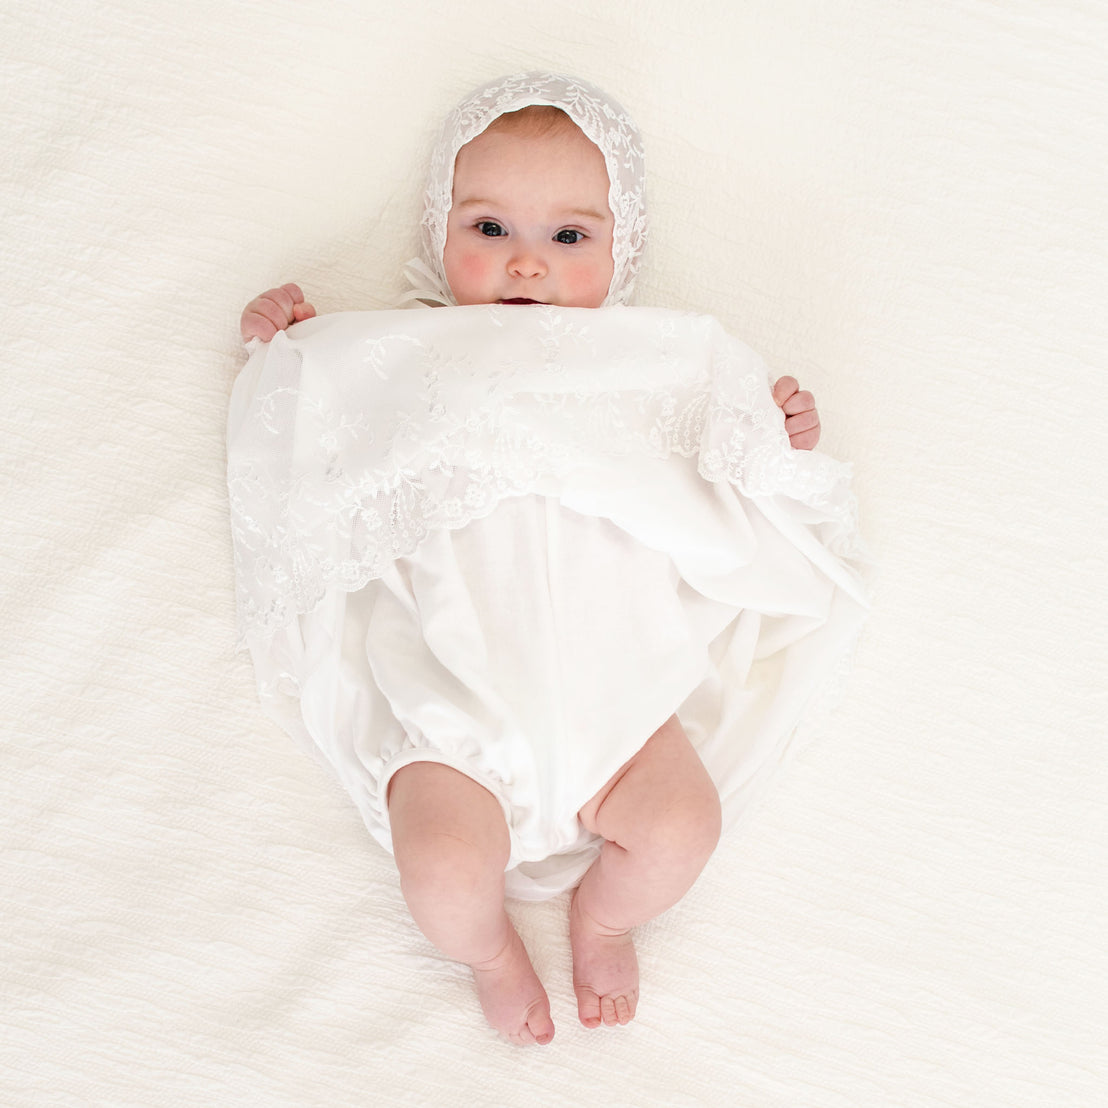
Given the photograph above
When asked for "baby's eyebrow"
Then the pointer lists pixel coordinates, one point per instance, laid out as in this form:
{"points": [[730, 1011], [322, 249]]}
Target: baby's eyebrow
{"points": [[590, 213]]}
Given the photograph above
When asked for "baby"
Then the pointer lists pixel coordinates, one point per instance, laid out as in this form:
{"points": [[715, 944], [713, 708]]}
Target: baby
{"points": [[530, 220]]}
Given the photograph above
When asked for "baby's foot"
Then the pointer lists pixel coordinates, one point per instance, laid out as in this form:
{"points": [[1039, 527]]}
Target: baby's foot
{"points": [[605, 970], [512, 996]]}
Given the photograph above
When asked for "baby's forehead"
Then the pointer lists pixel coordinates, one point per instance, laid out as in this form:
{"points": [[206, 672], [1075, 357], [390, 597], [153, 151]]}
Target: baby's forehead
{"points": [[533, 169]]}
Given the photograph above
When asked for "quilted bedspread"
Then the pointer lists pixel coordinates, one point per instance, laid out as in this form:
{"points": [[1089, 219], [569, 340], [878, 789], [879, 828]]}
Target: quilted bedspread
{"points": [[906, 207]]}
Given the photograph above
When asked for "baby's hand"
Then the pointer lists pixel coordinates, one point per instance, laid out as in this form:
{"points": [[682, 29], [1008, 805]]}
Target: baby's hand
{"points": [[801, 417], [273, 311]]}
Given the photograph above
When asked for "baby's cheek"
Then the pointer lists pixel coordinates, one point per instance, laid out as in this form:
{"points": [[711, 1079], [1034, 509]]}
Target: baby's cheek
{"points": [[467, 275], [473, 266], [587, 283]]}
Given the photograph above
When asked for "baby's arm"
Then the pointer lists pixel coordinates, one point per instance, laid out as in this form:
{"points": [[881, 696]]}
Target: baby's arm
{"points": [[273, 311], [801, 417]]}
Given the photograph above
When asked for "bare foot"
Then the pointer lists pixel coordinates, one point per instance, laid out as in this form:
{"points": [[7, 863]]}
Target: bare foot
{"points": [[605, 970], [512, 996]]}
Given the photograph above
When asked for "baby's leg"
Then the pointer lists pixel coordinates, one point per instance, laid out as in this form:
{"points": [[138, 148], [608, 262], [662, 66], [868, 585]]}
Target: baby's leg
{"points": [[660, 816], [451, 846]]}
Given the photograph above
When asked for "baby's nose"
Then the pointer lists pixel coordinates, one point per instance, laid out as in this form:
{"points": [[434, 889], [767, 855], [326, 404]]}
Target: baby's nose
{"points": [[527, 264]]}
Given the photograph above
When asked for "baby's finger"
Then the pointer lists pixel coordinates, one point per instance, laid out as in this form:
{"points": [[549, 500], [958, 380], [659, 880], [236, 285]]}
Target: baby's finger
{"points": [[783, 389], [805, 421], [293, 291], [799, 402], [803, 431], [284, 299], [254, 325], [302, 311], [274, 306]]}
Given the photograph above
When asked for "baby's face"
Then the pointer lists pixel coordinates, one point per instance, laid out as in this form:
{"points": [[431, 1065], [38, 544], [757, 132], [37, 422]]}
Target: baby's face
{"points": [[529, 221]]}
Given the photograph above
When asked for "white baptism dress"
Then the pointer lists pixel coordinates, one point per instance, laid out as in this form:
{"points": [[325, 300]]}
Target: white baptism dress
{"points": [[517, 539]]}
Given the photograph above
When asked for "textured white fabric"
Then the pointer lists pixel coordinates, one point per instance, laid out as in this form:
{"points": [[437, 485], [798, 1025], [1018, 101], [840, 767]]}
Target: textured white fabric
{"points": [[901, 204], [602, 120], [567, 524]]}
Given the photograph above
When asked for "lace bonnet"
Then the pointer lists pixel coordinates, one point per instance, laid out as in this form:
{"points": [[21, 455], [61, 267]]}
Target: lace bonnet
{"points": [[603, 122]]}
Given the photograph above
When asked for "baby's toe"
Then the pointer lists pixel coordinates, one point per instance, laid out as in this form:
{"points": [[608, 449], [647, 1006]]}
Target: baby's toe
{"points": [[589, 1008], [540, 1026], [616, 1010]]}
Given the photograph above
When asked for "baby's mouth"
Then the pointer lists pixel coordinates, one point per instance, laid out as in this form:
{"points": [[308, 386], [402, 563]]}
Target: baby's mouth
{"points": [[520, 300]]}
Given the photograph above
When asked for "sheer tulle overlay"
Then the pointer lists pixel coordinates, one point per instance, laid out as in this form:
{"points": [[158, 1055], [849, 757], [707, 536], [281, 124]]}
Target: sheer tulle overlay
{"points": [[516, 539]]}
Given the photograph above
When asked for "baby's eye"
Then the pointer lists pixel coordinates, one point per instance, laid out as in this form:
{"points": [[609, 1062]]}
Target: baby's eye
{"points": [[569, 237], [488, 227]]}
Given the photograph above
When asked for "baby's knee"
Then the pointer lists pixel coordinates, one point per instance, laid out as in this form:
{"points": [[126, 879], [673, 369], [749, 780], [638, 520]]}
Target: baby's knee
{"points": [[705, 821], [448, 832], [687, 829], [444, 865]]}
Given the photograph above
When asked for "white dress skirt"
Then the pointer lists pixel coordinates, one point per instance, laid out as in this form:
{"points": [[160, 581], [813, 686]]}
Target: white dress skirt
{"points": [[536, 637]]}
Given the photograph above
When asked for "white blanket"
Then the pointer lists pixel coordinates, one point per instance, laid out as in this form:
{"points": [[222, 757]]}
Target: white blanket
{"points": [[904, 206]]}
